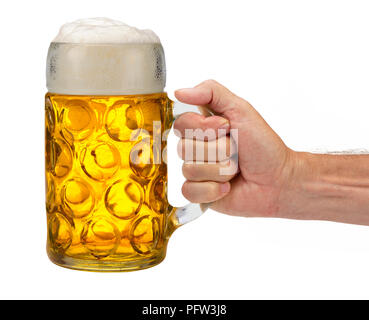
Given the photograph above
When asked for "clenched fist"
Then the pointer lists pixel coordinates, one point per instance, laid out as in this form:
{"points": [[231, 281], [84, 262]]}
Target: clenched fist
{"points": [[253, 173]]}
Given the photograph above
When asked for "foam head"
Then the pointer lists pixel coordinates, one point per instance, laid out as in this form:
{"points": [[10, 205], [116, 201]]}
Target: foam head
{"points": [[101, 56]]}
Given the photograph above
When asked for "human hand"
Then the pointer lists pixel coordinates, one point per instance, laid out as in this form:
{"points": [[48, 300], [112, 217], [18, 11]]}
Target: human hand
{"points": [[265, 163]]}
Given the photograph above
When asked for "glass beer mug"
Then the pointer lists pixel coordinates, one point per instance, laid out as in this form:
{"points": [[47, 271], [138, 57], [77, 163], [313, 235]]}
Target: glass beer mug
{"points": [[106, 176]]}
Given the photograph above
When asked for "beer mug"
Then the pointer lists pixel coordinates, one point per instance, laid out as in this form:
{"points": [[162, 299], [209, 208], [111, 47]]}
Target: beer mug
{"points": [[106, 175]]}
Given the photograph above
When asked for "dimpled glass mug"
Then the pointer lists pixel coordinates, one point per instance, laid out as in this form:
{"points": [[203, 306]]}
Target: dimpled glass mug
{"points": [[106, 181]]}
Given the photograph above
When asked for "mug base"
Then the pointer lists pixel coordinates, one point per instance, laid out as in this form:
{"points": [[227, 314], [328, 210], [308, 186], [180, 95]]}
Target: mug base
{"points": [[105, 265]]}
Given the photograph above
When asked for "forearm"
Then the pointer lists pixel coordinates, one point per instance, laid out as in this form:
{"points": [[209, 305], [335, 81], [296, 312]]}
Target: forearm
{"points": [[328, 187]]}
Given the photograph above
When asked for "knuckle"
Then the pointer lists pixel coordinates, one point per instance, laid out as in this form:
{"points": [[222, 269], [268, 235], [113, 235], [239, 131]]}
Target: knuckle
{"points": [[236, 112], [208, 83], [211, 82]]}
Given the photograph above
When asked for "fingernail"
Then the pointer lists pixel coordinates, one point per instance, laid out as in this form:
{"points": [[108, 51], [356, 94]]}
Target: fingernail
{"points": [[225, 187]]}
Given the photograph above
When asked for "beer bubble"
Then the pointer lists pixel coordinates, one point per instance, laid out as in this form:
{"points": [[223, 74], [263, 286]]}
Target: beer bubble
{"points": [[100, 237], [49, 116], [78, 120], [59, 160], [50, 194], [158, 195], [100, 160], [144, 234], [122, 119], [141, 158], [60, 232], [123, 199], [77, 198]]}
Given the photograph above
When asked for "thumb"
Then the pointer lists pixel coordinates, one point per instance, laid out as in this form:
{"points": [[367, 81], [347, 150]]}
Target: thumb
{"points": [[217, 98]]}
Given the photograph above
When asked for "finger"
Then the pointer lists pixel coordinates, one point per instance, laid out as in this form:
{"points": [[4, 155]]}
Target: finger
{"points": [[205, 192], [231, 203], [207, 151], [217, 97], [208, 126], [220, 172]]}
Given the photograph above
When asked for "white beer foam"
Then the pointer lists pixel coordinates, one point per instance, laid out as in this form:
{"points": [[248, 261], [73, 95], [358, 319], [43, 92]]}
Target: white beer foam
{"points": [[103, 31], [101, 56]]}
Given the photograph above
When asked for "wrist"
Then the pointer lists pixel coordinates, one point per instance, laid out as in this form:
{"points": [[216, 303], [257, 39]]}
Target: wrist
{"points": [[296, 171], [327, 187]]}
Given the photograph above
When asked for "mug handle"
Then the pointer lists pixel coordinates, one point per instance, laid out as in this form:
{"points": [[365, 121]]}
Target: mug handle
{"points": [[191, 211]]}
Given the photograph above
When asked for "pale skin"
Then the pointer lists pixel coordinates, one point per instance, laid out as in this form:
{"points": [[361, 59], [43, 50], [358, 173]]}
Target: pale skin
{"points": [[271, 180]]}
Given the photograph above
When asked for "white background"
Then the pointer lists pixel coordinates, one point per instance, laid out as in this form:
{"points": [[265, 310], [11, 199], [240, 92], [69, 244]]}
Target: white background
{"points": [[303, 64]]}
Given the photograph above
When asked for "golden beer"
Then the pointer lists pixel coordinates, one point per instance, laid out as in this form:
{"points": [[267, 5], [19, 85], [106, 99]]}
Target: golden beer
{"points": [[102, 205]]}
